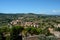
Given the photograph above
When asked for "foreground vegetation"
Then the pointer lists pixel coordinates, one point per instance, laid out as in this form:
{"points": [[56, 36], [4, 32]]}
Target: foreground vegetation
{"points": [[13, 33]]}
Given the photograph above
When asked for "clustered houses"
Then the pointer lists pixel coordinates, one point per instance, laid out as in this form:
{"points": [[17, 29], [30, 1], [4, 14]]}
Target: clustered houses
{"points": [[22, 23], [57, 25], [32, 24], [14, 22]]}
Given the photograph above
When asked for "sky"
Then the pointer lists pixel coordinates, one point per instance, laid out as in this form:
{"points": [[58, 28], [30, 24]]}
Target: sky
{"points": [[30, 6]]}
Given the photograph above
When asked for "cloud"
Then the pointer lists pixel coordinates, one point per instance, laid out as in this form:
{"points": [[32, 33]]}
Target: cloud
{"points": [[56, 11]]}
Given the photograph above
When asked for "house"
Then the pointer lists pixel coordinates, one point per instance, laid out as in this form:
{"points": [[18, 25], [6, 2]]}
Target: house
{"points": [[28, 23], [58, 25]]}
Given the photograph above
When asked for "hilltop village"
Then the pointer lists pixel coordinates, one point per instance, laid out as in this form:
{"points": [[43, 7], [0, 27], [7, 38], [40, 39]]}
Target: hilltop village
{"points": [[25, 24]]}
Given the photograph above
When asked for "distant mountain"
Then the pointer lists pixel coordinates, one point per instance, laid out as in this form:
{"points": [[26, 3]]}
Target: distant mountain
{"points": [[30, 14]]}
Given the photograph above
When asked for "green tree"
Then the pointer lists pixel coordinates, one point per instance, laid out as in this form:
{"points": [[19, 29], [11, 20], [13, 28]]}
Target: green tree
{"points": [[15, 31]]}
